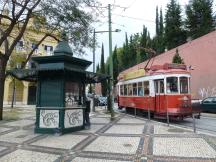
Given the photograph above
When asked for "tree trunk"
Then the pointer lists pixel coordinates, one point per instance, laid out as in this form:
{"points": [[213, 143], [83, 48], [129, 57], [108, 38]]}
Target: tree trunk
{"points": [[2, 82]]}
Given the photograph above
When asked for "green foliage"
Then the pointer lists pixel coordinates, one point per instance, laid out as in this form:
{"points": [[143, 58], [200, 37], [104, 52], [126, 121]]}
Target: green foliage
{"points": [[74, 17], [157, 22], [98, 68], [174, 33], [16, 60], [102, 70], [115, 66], [199, 19], [177, 58]]}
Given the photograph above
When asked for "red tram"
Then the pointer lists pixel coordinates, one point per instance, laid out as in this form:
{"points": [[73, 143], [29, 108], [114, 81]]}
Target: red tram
{"points": [[163, 89]]}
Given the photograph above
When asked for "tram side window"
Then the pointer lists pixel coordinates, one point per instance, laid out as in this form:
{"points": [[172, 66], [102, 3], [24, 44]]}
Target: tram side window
{"points": [[135, 89], [172, 85], [140, 89], [183, 85], [130, 90], [125, 89], [121, 90], [146, 88]]}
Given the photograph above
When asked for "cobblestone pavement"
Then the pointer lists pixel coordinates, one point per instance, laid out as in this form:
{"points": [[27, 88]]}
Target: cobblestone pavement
{"points": [[126, 139]]}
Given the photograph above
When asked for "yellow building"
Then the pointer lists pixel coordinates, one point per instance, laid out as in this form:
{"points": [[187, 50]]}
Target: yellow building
{"points": [[25, 92]]}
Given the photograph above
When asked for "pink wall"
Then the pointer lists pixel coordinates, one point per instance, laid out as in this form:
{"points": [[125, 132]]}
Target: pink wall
{"points": [[201, 55]]}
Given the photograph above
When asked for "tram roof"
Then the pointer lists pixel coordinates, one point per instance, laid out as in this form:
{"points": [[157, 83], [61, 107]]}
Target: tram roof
{"points": [[154, 70]]}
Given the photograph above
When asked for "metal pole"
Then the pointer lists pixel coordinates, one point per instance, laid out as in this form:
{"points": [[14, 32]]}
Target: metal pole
{"points": [[135, 112], [194, 123], [111, 63], [93, 102], [149, 115]]}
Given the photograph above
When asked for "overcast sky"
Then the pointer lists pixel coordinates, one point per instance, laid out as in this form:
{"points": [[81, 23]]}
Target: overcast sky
{"points": [[142, 12]]}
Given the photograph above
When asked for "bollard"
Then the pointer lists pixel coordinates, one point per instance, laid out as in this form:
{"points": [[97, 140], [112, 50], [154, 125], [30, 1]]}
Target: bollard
{"points": [[194, 123], [167, 118], [135, 112], [149, 116]]}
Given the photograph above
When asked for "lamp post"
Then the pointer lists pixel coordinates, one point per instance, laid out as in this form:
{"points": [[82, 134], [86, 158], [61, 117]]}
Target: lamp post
{"points": [[116, 30]]}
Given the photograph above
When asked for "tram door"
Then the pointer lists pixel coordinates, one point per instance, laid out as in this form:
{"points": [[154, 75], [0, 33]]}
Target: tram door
{"points": [[159, 95]]}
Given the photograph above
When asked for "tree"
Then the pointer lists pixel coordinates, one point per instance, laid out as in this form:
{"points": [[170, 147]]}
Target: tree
{"points": [[16, 60], [50, 17], [102, 70], [199, 18], [157, 22], [116, 65], [98, 68], [177, 58], [143, 44], [174, 33], [161, 25]]}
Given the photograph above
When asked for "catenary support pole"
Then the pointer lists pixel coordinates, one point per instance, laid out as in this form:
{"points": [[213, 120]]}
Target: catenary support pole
{"points": [[110, 63], [93, 101]]}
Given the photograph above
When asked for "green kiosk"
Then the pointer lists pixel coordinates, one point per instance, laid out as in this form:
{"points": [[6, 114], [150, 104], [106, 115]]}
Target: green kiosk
{"points": [[61, 80]]}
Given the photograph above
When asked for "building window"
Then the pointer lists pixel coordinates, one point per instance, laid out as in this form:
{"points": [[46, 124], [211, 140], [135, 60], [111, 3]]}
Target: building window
{"points": [[135, 89], [140, 89], [48, 49], [19, 45], [35, 47]]}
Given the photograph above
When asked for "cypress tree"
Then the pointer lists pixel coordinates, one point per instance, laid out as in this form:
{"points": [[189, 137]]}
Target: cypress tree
{"points": [[199, 18], [143, 44], [157, 22], [102, 70], [161, 31], [98, 68], [174, 33], [115, 66], [177, 58]]}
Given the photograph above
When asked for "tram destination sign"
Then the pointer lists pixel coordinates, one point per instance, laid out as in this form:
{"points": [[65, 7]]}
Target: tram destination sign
{"points": [[134, 74]]}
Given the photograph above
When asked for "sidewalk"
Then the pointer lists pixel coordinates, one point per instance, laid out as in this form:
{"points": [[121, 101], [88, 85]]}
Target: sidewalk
{"points": [[126, 139]]}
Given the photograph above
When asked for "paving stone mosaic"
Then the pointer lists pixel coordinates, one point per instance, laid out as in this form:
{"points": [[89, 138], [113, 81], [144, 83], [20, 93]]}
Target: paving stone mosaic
{"points": [[18, 136], [81, 159], [100, 120], [94, 128], [124, 145], [2, 129], [126, 129], [131, 120], [2, 148], [161, 129], [66, 141], [183, 147], [20, 123], [28, 156]]}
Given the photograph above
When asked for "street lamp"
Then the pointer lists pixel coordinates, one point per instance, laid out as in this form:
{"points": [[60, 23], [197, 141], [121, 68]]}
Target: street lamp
{"points": [[116, 30]]}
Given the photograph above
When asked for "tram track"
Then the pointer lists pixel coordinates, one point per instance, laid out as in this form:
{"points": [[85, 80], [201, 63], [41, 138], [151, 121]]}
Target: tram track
{"points": [[205, 124]]}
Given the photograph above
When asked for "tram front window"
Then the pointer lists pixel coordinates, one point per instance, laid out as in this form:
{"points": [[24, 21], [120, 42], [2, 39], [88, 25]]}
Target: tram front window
{"points": [[183, 85], [172, 85]]}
